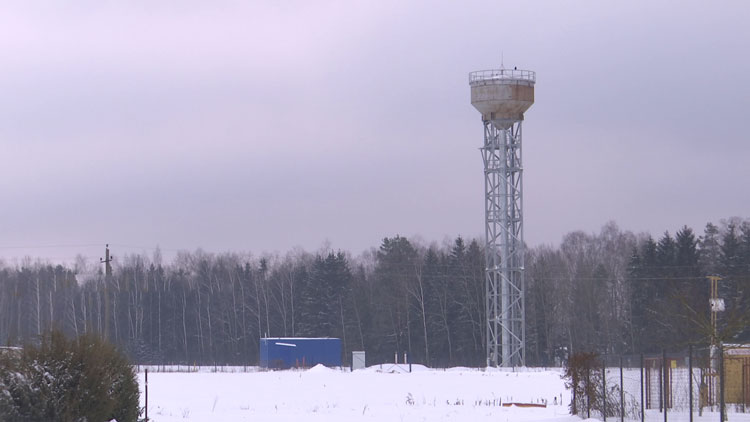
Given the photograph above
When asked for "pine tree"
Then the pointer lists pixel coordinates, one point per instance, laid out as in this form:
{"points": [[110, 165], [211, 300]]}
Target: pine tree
{"points": [[395, 270], [666, 305], [686, 254], [745, 248], [731, 252], [730, 267], [731, 286], [666, 254], [640, 296], [326, 297], [433, 274], [743, 280], [691, 288], [710, 249]]}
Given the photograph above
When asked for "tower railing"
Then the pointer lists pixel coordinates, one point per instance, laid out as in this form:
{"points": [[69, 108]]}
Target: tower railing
{"points": [[505, 75]]}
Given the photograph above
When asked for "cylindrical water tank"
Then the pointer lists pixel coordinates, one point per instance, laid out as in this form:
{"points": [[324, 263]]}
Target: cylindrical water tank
{"points": [[503, 95]]}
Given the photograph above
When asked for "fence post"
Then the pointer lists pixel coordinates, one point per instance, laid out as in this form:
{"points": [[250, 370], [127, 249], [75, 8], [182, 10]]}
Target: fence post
{"points": [[575, 406], [622, 395], [643, 402], [604, 387], [664, 383], [722, 409], [661, 386], [690, 380], [146, 394], [588, 391], [744, 393]]}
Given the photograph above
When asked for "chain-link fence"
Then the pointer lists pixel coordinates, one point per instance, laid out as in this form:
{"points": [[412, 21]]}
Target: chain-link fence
{"points": [[707, 384]]}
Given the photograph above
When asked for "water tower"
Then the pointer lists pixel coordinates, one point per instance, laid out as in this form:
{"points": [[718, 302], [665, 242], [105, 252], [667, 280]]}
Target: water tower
{"points": [[502, 96]]}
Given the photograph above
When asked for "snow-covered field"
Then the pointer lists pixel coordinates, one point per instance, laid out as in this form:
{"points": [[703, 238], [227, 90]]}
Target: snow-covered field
{"points": [[386, 393]]}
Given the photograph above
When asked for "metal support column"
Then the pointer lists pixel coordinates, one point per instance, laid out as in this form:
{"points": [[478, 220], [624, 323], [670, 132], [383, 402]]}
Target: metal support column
{"points": [[504, 250]]}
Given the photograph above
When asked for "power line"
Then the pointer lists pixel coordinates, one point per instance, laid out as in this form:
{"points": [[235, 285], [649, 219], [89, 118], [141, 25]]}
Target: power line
{"points": [[82, 245]]}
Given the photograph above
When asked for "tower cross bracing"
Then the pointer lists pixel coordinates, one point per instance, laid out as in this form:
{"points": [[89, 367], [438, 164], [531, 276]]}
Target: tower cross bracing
{"points": [[504, 252]]}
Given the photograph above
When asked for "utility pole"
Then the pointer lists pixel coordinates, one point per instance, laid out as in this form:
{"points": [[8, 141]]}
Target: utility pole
{"points": [[716, 304], [107, 282], [717, 348]]}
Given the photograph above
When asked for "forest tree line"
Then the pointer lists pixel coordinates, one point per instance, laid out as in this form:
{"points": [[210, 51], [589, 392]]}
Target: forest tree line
{"points": [[610, 292]]}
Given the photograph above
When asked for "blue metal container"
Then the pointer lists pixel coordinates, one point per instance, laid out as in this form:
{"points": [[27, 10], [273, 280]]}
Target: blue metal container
{"points": [[296, 352]]}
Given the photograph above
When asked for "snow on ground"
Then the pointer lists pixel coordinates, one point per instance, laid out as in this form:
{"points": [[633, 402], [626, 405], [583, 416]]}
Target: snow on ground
{"points": [[378, 393]]}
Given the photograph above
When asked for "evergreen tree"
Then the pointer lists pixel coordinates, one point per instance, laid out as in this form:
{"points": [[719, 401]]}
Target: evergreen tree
{"points": [[730, 266], [743, 280], [473, 304], [731, 252], [68, 380], [395, 270], [745, 248], [686, 253], [732, 284], [325, 297], [459, 317], [666, 308], [666, 254], [651, 289], [640, 296], [692, 290], [710, 249], [433, 274]]}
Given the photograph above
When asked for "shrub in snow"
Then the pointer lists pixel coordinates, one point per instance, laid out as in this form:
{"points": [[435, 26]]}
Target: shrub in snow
{"points": [[86, 379], [584, 378]]}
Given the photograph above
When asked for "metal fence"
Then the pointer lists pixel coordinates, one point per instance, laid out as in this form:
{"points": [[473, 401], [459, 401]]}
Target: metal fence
{"points": [[709, 384]]}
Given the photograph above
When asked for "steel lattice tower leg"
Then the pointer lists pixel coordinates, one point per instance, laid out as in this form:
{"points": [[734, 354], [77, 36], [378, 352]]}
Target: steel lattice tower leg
{"points": [[504, 251]]}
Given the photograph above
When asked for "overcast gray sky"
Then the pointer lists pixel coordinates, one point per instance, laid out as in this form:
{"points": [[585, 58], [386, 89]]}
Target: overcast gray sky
{"points": [[262, 126]]}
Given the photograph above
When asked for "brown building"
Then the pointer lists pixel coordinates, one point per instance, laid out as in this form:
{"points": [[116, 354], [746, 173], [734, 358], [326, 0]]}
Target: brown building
{"points": [[737, 371]]}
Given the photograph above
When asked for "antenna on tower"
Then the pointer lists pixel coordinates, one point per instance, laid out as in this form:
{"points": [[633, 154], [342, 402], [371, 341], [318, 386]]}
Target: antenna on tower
{"points": [[502, 64]]}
